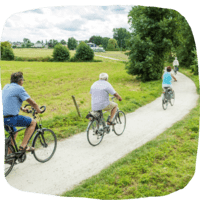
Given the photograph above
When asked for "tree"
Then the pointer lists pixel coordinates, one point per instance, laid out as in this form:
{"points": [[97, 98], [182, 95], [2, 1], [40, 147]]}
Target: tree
{"points": [[84, 52], [61, 53], [105, 42], [6, 51], [121, 35], [25, 40], [72, 43], [63, 42], [154, 32], [96, 40], [112, 45], [2, 46]]}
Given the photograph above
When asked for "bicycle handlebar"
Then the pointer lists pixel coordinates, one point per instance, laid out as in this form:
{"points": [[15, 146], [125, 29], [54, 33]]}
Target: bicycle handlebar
{"points": [[33, 110]]}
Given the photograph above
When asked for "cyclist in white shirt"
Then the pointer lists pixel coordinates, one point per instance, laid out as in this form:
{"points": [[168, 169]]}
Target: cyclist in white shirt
{"points": [[175, 64], [100, 91]]}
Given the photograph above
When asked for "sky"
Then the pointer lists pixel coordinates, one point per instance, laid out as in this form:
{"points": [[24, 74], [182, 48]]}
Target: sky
{"points": [[63, 22]]}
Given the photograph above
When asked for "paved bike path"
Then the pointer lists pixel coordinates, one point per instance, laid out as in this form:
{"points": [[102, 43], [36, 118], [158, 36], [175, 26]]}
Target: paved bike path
{"points": [[76, 160]]}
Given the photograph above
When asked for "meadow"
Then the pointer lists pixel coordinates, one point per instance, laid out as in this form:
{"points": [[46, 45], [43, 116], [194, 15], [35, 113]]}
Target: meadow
{"points": [[53, 83]]}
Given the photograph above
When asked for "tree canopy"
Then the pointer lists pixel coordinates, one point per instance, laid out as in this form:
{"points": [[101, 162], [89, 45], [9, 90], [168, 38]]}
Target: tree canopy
{"points": [[72, 43], [153, 34]]}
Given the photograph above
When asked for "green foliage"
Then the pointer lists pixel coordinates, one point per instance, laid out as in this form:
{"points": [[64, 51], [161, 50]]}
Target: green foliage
{"points": [[5, 44], [63, 42], [6, 51], [105, 42], [96, 40], [72, 43], [153, 35], [121, 35], [84, 52], [7, 54], [38, 59], [112, 45], [61, 53], [194, 66]]}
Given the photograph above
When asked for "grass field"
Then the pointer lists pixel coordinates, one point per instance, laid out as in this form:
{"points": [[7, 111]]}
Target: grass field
{"points": [[160, 167], [114, 54], [32, 52], [53, 83]]}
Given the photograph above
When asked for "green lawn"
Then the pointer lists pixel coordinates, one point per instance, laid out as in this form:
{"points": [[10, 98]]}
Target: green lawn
{"points": [[114, 54], [160, 167], [33, 52]]}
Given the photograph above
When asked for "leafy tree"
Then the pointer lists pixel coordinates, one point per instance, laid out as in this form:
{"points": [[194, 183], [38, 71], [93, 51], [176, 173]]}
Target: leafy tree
{"points": [[52, 43], [153, 35], [61, 53], [194, 66], [25, 40], [112, 45], [63, 42], [72, 43], [3, 45], [84, 52], [121, 35], [96, 40], [105, 42]]}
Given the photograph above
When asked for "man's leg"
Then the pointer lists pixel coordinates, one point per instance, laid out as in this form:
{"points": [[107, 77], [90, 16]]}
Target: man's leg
{"points": [[112, 114], [29, 131]]}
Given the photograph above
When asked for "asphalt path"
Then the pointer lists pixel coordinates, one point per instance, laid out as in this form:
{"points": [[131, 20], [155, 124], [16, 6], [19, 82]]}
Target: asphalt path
{"points": [[76, 160]]}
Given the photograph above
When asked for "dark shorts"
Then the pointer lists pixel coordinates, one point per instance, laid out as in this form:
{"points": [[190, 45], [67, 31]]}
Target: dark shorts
{"points": [[17, 121]]}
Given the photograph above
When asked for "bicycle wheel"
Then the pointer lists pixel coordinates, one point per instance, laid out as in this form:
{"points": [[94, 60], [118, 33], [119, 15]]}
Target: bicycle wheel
{"points": [[172, 99], [120, 120], [45, 144], [164, 102], [9, 159], [94, 136]]}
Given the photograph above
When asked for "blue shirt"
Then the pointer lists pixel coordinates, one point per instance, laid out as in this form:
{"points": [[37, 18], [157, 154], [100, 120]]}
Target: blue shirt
{"points": [[100, 91], [13, 96], [167, 78]]}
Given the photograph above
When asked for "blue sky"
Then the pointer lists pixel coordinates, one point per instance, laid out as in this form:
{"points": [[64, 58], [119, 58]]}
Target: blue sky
{"points": [[63, 22]]}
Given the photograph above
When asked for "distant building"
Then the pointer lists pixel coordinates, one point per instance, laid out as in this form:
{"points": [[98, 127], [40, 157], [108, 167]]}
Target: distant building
{"points": [[38, 45], [95, 48]]}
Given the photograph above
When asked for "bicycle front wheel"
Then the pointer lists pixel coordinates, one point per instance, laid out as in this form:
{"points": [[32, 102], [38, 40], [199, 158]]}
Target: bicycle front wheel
{"points": [[45, 144], [120, 123], [9, 159], [94, 136]]}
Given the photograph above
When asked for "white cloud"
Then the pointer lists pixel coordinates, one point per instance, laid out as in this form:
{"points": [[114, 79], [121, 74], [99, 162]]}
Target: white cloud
{"points": [[80, 22]]}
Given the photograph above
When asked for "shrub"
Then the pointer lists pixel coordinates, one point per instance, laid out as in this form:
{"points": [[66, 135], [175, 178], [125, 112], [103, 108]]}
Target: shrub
{"points": [[61, 53], [194, 66], [84, 52], [7, 54]]}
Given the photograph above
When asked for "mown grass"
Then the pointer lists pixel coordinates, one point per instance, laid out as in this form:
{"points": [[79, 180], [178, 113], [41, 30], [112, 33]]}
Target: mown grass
{"points": [[35, 52], [53, 84], [114, 54], [160, 167]]}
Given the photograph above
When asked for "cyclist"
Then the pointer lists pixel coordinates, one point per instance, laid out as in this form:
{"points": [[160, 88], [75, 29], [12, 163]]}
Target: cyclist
{"points": [[167, 78], [175, 64], [13, 95], [100, 91]]}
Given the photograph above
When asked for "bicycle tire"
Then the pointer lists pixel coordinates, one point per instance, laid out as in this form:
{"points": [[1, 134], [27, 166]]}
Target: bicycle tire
{"points": [[164, 102], [93, 136], [119, 120], [172, 99], [9, 166], [45, 144]]}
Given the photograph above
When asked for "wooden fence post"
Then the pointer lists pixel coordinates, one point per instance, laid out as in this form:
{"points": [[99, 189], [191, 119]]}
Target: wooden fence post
{"points": [[79, 114]]}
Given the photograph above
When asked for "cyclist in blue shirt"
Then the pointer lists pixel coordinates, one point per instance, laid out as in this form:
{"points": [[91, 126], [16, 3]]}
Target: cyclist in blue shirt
{"points": [[167, 78], [13, 95]]}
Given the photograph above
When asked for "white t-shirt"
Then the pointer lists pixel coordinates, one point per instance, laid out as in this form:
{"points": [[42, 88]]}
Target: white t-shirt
{"points": [[100, 91]]}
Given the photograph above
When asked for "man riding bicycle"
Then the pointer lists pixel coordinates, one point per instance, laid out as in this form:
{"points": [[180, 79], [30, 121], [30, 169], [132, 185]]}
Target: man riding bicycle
{"points": [[175, 64], [167, 78], [13, 95], [100, 91]]}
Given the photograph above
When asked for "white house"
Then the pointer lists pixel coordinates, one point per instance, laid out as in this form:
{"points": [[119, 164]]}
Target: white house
{"points": [[38, 45]]}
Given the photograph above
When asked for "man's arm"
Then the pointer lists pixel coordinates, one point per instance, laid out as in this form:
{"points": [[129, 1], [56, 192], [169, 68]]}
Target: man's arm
{"points": [[118, 97], [173, 77], [34, 105]]}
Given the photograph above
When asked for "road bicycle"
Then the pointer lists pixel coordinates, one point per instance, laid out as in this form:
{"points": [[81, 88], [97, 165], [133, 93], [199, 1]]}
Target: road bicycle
{"points": [[44, 142], [97, 126], [175, 70], [168, 96]]}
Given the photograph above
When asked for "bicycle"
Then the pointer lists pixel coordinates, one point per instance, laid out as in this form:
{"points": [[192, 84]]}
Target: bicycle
{"points": [[168, 96], [175, 70], [44, 141], [97, 126]]}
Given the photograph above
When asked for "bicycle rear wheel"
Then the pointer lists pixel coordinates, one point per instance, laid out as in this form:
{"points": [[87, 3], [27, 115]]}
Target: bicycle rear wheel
{"points": [[9, 159], [94, 136], [120, 123], [172, 99], [45, 144], [164, 102]]}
